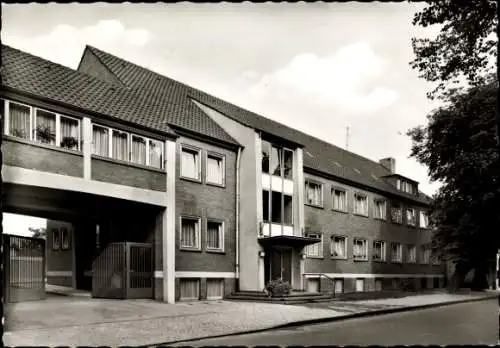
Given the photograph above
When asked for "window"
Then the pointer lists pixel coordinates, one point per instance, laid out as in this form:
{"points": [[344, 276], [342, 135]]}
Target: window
{"points": [[119, 145], [360, 285], [277, 208], [287, 210], [380, 209], [190, 166], [378, 284], [215, 289], [315, 250], [65, 238], [155, 150], [189, 289], [379, 250], [45, 127], [396, 215], [411, 256], [265, 205], [215, 235], [276, 160], [398, 184], [138, 153], [100, 140], [396, 252], [338, 286], [314, 193], [56, 239], [360, 249], [411, 217], [276, 211], [339, 200], [215, 169], [424, 219], [190, 233], [360, 204], [30, 123], [425, 252], [338, 248]]}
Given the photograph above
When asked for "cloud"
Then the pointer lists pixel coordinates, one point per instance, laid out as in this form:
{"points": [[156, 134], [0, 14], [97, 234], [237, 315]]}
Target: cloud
{"points": [[64, 43], [339, 79]]}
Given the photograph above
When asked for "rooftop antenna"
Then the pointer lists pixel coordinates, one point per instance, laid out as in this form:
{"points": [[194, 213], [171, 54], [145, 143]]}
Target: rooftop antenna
{"points": [[347, 138]]}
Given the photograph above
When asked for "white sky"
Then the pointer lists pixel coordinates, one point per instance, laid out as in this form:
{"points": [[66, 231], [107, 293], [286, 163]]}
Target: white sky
{"points": [[316, 67], [19, 224]]}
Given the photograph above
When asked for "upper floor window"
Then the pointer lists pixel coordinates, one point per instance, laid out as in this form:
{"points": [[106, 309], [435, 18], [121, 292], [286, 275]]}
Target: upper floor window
{"points": [[190, 163], [425, 253], [396, 252], [314, 193], [30, 123], [360, 249], [411, 256], [406, 186], [379, 250], [396, 213], [215, 235], [190, 233], [124, 146], [380, 209], [316, 249], [277, 160], [424, 219], [339, 200], [277, 208], [411, 217], [338, 247], [360, 204], [215, 169]]}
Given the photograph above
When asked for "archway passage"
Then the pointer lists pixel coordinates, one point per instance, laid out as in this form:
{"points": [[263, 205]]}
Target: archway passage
{"points": [[80, 232]]}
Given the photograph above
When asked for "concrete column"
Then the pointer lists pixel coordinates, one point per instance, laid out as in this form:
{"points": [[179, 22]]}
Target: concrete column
{"points": [[302, 263], [298, 196], [87, 147], [261, 267], [169, 225]]}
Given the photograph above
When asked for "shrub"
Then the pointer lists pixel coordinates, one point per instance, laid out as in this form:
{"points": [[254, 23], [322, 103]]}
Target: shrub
{"points": [[278, 287]]}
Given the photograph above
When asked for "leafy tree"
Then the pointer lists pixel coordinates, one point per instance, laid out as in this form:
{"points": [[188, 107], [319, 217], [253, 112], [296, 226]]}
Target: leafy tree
{"points": [[40, 232], [459, 148], [465, 47]]}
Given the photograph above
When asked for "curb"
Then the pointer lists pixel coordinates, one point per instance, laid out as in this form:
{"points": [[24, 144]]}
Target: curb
{"points": [[333, 319]]}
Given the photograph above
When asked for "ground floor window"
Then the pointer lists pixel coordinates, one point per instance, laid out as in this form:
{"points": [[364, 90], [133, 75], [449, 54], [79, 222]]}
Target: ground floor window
{"points": [[339, 286], [436, 283], [360, 285], [189, 289], [378, 284], [313, 285], [215, 289]]}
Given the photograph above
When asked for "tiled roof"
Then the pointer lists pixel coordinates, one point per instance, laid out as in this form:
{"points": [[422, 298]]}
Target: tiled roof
{"points": [[30, 74], [318, 155]]}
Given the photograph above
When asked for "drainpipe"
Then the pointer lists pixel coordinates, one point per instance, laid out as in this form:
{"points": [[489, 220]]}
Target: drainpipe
{"points": [[237, 268]]}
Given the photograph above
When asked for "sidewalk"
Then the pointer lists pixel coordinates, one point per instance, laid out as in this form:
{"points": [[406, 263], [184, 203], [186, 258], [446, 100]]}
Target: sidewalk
{"points": [[83, 321]]}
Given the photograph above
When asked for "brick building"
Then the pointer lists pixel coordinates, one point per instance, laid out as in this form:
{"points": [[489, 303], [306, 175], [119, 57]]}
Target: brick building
{"points": [[225, 198]]}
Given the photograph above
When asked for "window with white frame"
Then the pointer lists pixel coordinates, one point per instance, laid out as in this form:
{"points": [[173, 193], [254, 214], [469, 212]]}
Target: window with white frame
{"points": [[380, 209], [396, 213], [314, 193], [31, 123], [190, 163], [215, 169], [360, 204], [396, 252], [424, 219], [398, 184], [411, 217], [339, 199], [316, 249], [411, 256], [360, 249], [125, 146], [425, 253], [379, 250], [190, 233], [119, 145], [338, 247], [215, 235]]}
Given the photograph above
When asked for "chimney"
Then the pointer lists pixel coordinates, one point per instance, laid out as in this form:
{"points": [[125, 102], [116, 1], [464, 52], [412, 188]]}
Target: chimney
{"points": [[389, 163]]}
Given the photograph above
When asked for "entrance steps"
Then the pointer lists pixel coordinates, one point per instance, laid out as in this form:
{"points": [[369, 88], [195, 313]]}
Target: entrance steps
{"points": [[295, 297]]}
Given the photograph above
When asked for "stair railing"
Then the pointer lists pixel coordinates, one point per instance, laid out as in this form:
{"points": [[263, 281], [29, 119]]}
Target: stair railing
{"points": [[328, 278]]}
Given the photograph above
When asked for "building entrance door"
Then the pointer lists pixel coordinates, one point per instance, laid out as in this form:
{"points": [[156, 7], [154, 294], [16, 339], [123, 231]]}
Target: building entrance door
{"points": [[281, 264]]}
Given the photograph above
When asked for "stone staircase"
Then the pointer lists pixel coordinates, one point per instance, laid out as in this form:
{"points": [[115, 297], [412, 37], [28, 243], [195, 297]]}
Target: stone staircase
{"points": [[295, 297]]}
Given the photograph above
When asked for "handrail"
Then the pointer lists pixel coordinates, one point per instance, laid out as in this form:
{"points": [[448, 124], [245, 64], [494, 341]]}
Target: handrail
{"points": [[329, 278]]}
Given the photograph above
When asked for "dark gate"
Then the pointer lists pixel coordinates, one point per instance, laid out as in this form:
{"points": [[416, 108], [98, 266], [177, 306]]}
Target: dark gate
{"points": [[24, 268], [123, 270]]}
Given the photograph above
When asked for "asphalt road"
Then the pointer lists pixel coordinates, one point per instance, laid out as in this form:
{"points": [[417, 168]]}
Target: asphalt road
{"points": [[464, 323]]}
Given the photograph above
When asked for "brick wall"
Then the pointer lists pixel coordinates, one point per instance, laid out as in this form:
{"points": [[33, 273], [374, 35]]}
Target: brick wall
{"points": [[21, 153], [331, 222], [116, 172], [206, 201]]}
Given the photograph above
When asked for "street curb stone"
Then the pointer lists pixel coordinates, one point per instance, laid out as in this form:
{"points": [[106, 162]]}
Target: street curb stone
{"points": [[332, 319]]}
